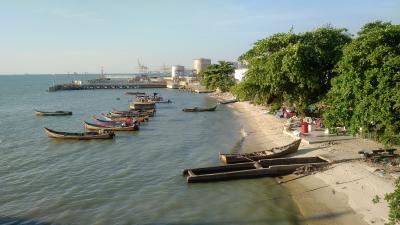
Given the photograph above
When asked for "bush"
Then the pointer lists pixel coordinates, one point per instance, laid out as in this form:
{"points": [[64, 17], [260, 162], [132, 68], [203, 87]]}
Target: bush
{"points": [[394, 204]]}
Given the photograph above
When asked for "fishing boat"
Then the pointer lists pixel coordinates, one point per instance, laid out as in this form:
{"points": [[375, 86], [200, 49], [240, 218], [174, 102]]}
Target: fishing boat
{"points": [[135, 93], [162, 101], [228, 101], [91, 126], [196, 109], [261, 168], [143, 106], [124, 118], [79, 136], [137, 113], [55, 113], [266, 154], [113, 122]]}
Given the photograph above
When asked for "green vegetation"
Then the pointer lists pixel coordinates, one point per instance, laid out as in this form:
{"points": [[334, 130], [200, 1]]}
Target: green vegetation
{"points": [[366, 95], [357, 81], [218, 76], [376, 199], [292, 68], [394, 204]]}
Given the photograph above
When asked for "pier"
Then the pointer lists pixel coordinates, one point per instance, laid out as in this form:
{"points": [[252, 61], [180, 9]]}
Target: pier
{"points": [[71, 86]]}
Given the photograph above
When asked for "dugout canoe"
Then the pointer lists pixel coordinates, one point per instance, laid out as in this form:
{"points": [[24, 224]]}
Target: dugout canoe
{"points": [[228, 101], [124, 118], [54, 113], [113, 122], [261, 168], [91, 126], [134, 93], [197, 109], [78, 136], [255, 156]]}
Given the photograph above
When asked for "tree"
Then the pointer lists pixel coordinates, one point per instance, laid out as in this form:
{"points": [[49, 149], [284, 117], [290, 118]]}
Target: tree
{"points": [[366, 95], [293, 68], [394, 204], [218, 76]]}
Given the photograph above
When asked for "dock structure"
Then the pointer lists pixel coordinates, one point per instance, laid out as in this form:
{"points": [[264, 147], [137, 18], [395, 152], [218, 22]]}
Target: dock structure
{"points": [[66, 87]]}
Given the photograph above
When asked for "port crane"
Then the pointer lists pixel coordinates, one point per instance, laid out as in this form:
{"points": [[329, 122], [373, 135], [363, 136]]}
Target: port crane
{"points": [[142, 68]]}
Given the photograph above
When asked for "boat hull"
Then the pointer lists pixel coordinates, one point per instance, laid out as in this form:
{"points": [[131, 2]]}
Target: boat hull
{"points": [[255, 156], [95, 127], [262, 168], [195, 109], [56, 113], [77, 136]]}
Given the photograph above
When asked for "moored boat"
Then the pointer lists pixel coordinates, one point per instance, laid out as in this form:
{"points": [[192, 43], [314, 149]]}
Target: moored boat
{"points": [[229, 101], [91, 126], [124, 118], [266, 154], [113, 122], [136, 113], [261, 168], [197, 109], [143, 106], [78, 136], [54, 113], [135, 93], [163, 101]]}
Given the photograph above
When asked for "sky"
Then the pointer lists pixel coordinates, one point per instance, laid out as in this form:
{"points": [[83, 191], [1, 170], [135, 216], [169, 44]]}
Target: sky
{"points": [[57, 36]]}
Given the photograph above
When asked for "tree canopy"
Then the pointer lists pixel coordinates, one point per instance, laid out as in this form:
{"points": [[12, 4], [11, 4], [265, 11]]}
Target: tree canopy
{"points": [[293, 68], [218, 76], [366, 95]]}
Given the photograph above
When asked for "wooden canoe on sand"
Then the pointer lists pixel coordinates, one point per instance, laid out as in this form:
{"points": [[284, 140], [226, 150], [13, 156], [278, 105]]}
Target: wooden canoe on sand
{"points": [[262, 168], [266, 154]]}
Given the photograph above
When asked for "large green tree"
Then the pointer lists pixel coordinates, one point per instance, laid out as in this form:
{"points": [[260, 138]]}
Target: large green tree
{"points": [[293, 68], [366, 95], [218, 76]]}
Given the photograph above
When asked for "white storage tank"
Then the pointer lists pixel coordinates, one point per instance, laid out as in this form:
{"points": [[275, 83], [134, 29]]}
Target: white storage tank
{"points": [[201, 64], [177, 70]]}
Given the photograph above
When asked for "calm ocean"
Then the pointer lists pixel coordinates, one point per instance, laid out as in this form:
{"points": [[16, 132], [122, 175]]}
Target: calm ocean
{"points": [[135, 178]]}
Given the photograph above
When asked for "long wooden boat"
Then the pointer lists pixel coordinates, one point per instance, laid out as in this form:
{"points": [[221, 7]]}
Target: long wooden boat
{"points": [[136, 113], [79, 136], [55, 113], [135, 93], [162, 101], [196, 109], [266, 154], [142, 105], [124, 118], [113, 122], [91, 126], [261, 168], [228, 101]]}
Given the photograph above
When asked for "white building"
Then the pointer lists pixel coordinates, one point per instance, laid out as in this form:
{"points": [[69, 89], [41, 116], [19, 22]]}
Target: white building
{"points": [[239, 74], [177, 71], [201, 64]]}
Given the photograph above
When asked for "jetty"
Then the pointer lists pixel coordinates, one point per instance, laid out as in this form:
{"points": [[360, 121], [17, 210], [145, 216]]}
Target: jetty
{"points": [[142, 81]]}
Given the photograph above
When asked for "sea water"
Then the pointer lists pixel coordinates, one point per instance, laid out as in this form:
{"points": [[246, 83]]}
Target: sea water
{"points": [[135, 178]]}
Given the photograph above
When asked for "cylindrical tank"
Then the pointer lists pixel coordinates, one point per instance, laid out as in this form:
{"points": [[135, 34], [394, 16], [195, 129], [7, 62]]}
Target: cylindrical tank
{"points": [[201, 64], [177, 70]]}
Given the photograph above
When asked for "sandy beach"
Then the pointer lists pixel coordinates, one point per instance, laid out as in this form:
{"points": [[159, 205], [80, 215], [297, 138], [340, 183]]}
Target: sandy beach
{"points": [[340, 194]]}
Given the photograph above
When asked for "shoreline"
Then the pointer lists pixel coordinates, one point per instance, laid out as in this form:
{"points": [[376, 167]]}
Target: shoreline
{"points": [[341, 194]]}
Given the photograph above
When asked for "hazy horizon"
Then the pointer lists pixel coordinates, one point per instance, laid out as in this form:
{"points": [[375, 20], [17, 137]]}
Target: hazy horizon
{"points": [[46, 37]]}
